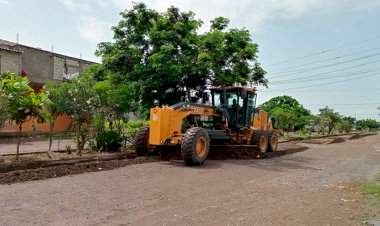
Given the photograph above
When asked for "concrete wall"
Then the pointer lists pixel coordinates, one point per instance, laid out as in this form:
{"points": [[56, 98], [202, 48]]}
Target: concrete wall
{"points": [[62, 124], [38, 65], [10, 61], [43, 66]]}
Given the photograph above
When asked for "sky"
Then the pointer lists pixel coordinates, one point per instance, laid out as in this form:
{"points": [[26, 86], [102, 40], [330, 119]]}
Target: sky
{"points": [[322, 53]]}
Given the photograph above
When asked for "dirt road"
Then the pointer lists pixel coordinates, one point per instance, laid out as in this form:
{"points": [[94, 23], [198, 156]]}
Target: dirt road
{"points": [[305, 188]]}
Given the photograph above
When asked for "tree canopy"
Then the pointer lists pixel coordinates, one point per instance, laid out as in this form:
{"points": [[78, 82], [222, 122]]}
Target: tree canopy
{"points": [[367, 123], [165, 56], [287, 112], [334, 117]]}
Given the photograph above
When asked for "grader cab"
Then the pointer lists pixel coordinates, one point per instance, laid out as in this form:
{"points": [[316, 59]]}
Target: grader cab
{"points": [[231, 119]]}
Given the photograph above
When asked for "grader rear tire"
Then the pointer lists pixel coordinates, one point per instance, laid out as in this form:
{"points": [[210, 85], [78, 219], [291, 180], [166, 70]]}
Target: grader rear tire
{"points": [[195, 146], [273, 142], [142, 141]]}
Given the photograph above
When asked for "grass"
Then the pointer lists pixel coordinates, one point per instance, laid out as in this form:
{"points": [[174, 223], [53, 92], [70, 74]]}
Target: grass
{"points": [[300, 136], [372, 188]]}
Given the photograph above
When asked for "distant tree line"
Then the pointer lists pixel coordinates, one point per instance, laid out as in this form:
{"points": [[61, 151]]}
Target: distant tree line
{"points": [[288, 114]]}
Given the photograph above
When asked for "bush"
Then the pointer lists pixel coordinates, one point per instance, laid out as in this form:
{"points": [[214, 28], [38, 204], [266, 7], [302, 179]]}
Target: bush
{"points": [[109, 141], [132, 128]]}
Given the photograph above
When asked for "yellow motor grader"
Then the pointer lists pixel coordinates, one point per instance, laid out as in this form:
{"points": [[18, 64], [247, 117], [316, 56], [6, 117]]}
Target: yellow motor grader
{"points": [[231, 119]]}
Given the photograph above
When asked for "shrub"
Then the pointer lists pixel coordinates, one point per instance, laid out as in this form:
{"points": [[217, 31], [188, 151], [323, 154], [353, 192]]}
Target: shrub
{"points": [[109, 141], [132, 128]]}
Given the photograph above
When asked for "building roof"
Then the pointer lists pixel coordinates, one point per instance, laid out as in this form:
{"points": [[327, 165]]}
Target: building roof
{"points": [[14, 47], [7, 43], [10, 46], [235, 88]]}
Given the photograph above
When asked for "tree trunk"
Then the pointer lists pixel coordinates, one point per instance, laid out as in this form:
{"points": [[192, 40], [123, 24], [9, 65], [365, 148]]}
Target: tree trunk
{"points": [[51, 134], [78, 140], [51, 154], [18, 140]]}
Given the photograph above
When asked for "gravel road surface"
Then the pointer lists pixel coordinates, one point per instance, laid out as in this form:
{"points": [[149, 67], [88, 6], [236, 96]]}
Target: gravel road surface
{"points": [[305, 188]]}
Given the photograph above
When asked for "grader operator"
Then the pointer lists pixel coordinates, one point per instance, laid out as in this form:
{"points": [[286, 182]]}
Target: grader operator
{"points": [[232, 119]]}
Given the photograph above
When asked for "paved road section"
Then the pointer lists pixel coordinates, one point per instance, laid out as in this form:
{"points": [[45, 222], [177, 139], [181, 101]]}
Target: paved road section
{"points": [[34, 146], [305, 188]]}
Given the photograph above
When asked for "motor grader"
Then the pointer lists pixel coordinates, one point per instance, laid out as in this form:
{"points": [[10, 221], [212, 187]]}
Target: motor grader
{"points": [[231, 119]]}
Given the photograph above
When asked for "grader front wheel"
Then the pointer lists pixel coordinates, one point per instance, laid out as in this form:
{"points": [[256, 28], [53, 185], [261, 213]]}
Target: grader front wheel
{"points": [[195, 146]]}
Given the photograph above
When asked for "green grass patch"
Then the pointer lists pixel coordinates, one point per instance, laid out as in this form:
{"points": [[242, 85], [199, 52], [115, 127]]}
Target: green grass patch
{"points": [[372, 188]]}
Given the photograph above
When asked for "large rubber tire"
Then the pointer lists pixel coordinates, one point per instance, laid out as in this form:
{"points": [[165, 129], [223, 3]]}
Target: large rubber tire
{"points": [[272, 141], [195, 146], [260, 139], [142, 141]]}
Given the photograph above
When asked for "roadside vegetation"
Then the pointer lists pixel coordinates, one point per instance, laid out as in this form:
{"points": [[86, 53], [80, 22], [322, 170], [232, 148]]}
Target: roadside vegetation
{"points": [[372, 188], [289, 115]]}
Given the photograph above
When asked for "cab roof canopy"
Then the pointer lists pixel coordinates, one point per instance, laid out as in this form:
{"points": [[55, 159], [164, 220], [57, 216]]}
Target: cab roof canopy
{"points": [[234, 88]]}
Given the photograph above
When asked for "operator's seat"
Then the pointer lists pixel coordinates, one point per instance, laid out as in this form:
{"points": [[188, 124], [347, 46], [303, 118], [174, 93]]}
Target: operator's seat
{"points": [[232, 117]]}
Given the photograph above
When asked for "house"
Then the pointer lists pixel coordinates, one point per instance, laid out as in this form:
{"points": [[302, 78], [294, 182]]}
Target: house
{"points": [[41, 67]]}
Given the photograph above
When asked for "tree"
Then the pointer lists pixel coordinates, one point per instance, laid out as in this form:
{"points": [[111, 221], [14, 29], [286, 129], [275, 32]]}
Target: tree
{"points": [[324, 122], [156, 51], [23, 103], [334, 117], [230, 56], [350, 119], [367, 124], [163, 54], [82, 107], [344, 126], [291, 106], [4, 104], [283, 119], [57, 106]]}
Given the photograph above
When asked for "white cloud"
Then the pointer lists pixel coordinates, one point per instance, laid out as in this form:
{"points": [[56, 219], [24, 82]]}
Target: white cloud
{"points": [[256, 14], [81, 5], [92, 29], [4, 2], [84, 5]]}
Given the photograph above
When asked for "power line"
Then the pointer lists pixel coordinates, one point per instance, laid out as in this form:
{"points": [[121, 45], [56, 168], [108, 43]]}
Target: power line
{"points": [[320, 67], [333, 90], [329, 72], [339, 104], [325, 51], [334, 58], [320, 84], [301, 80]]}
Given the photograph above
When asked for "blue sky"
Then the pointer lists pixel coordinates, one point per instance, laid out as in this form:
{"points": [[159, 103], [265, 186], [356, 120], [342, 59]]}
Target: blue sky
{"points": [[346, 77]]}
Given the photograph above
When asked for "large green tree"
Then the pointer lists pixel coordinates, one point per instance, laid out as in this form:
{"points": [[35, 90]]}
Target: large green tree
{"points": [[164, 54], [289, 107]]}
